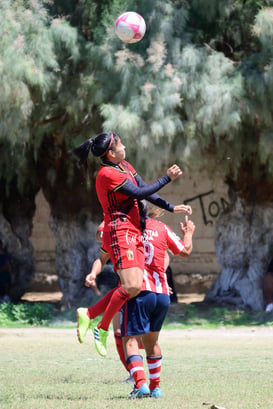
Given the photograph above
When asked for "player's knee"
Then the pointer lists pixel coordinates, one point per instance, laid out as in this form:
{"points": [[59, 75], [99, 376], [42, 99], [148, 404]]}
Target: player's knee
{"points": [[134, 290]]}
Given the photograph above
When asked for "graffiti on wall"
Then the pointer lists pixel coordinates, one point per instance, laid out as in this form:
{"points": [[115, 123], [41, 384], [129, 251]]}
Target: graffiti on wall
{"points": [[210, 209]]}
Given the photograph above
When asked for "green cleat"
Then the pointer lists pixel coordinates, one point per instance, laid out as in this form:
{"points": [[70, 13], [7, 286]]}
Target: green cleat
{"points": [[100, 337], [83, 323]]}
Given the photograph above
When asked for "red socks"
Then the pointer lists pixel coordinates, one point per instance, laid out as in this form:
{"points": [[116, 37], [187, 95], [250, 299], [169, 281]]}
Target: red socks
{"points": [[119, 346], [119, 297], [100, 306], [135, 365], [154, 365]]}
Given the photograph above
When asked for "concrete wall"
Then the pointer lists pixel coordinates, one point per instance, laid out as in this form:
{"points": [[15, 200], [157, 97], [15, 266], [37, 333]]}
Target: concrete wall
{"points": [[195, 274], [208, 198]]}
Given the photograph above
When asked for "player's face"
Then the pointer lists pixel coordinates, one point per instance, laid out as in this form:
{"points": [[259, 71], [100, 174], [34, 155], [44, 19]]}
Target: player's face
{"points": [[118, 151]]}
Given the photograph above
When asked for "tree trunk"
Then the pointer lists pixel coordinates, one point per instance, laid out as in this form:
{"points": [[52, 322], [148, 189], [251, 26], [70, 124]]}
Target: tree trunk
{"points": [[244, 247], [76, 249], [16, 213], [75, 215]]}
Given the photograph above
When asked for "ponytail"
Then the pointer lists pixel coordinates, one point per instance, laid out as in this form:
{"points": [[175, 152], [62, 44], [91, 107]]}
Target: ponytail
{"points": [[83, 150]]}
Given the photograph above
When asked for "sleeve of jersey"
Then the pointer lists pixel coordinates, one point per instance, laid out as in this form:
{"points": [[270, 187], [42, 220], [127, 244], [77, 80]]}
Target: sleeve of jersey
{"points": [[174, 243], [143, 192], [155, 198]]}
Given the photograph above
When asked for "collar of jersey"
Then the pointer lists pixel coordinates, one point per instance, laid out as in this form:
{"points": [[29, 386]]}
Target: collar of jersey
{"points": [[112, 164]]}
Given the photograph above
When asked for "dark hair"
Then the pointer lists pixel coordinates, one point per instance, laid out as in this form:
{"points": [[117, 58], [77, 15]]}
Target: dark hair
{"points": [[99, 146], [143, 208]]}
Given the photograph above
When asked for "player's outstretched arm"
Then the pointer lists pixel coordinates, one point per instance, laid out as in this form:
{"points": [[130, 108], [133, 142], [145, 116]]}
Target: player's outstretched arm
{"points": [[174, 172], [143, 191], [182, 209], [187, 229], [90, 279]]}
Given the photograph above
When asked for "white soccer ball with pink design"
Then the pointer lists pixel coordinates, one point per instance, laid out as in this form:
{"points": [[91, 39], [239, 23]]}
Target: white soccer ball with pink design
{"points": [[130, 27]]}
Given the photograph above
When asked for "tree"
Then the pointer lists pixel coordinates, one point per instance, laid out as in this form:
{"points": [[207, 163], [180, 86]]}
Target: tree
{"points": [[198, 84], [207, 86], [42, 60]]}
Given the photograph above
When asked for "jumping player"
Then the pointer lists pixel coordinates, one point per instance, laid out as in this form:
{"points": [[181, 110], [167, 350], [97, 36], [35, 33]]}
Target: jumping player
{"points": [[158, 237], [142, 317], [85, 316], [118, 187]]}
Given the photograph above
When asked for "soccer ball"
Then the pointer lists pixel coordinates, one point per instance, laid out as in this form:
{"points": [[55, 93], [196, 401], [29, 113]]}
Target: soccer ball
{"points": [[130, 27]]}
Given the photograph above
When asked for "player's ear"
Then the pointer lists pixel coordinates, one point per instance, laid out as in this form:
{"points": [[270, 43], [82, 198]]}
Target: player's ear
{"points": [[110, 155]]}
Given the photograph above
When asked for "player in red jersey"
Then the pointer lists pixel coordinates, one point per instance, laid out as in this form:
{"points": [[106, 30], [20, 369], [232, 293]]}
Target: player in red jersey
{"points": [[85, 316], [119, 188], [143, 316]]}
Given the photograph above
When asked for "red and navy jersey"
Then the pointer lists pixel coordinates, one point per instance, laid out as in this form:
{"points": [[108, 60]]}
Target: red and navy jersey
{"points": [[116, 205], [158, 237]]}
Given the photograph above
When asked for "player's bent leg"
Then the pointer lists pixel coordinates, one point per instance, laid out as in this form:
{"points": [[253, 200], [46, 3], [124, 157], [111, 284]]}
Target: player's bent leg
{"points": [[131, 280]]}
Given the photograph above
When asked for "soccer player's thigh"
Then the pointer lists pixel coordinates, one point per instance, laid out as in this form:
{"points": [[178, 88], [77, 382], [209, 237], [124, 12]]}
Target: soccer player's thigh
{"points": [[159, 314], [131, 263], [136, 313], [127, 254]]}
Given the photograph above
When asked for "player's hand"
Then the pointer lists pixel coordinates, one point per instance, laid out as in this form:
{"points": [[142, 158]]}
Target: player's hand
{"points": [[90, 281], [187, 227], [174, 172], [182, 209]]}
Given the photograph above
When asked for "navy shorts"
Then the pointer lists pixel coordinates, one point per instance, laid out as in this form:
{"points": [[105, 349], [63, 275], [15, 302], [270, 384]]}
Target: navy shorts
{"points": [[144, 313]]}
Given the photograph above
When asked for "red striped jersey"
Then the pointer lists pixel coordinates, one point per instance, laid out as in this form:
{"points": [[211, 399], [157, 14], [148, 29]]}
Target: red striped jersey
{"points": [[158, 237], [116, 205]]}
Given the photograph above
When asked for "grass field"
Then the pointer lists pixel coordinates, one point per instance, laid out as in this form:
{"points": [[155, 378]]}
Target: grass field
{"points": [[48, 368]]}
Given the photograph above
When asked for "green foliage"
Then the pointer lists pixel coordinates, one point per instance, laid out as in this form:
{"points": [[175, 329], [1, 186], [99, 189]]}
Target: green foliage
{"points": [[26, 314], [180, 315], [199, 85], [212, 90], [27, 61], [36, 54], [203, 316]]}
